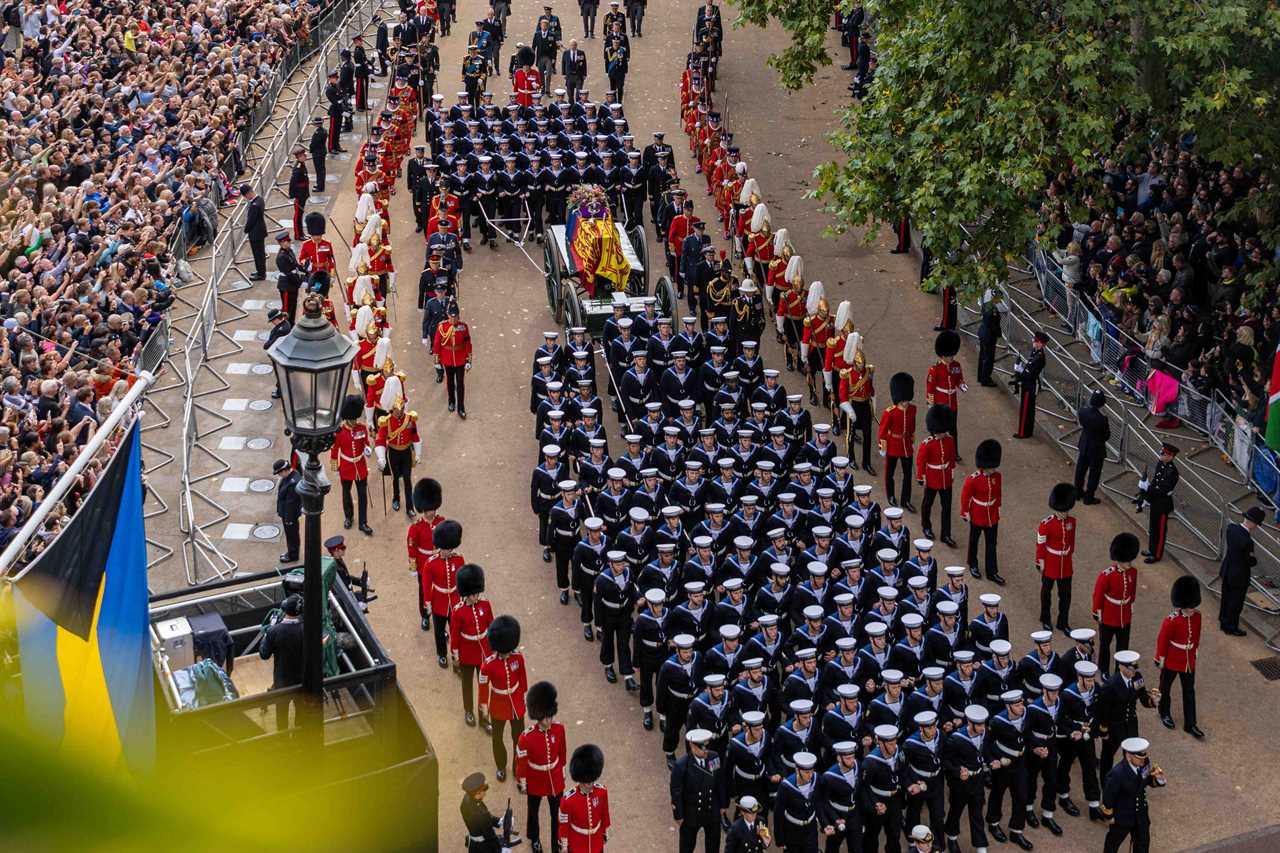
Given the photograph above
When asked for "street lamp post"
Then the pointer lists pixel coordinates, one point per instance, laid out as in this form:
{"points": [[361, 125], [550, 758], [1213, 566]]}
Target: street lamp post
{"points": [[313, 367]]}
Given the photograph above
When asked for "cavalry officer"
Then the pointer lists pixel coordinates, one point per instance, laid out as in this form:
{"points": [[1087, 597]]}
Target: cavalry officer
{"points": [[1176, 647], [1027, 381], [468, 632], [1055, 545], [980, 499], [584, 810], [699, 793], [1158, 491], [1124, 798], [347, 457], [1113, 596], [452, 349], [398, 446], [504, 681], [540, 761]]}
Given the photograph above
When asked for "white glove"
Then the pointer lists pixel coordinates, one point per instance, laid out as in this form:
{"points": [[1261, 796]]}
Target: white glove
{"points": [[777, 318], [964, 386], [882, 454], [382, 457], [768, 293], [468, 367], [826, 379], [804, 350], [426, 343], [368, 451], [417, 452], [847, 408], [1017, 367], [1142, 485]]}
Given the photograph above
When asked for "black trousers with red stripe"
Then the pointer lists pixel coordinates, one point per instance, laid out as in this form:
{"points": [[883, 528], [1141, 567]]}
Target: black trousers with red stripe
{"points": [[297, 219], [362, 94], [1157, 532], [1026, 415], [903, 231], [335, 123]]}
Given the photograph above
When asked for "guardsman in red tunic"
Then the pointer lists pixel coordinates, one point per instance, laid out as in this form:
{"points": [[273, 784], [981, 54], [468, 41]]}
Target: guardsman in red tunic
{"points": [[945, 380], [438, 584], [504, 680], [679, 228], [469, 632], [420, 540], [347, 457], [1176, 648], [898, 437], [1113, 596], [452, 349], [584, 809], [980, 506], [935, 470], [444, 206], [818, 326], [541, 755], [1055, 543], [857, 388], [316, 255]]}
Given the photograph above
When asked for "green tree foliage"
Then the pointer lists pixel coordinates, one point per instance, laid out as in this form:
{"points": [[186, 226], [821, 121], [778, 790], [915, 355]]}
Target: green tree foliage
{"points": [[976, 104]]}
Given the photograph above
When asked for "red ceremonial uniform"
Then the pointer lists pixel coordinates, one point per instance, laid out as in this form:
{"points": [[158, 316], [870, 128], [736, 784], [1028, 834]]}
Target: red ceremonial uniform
{"points": [[468, 627], [453, 343], [792, 305], [898, 431], [1178, 641], [857, 386], [373, 394], [584, 819], [1055, 543], [527, 82], [676, 232], [349, 450], [365, 350], [540, 760], [980, 499], [438, 579], [1113, 596], [420, 542], [398, 430], [936, 462], [942, 384], [833, 358], [503, 683], [317, 255], [817, 331]]}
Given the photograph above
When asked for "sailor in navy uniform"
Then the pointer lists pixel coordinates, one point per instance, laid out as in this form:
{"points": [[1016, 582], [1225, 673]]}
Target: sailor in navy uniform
{"points": [[615, 600], [923, 563], [886, 708], [733, 610], [995, 676], [691, 616], [1009, 736], [922, 772], [638, 385], [662, 573], [612, 502], [1035, 663], [926, 697], [1047, 733], [894, 536], [711, 377], [956, 590], [676, 680], [637, 540], [845, 621], [543, 493], [796, 419], [699, 793], [866, 507], [650, 428], [820, 450], [873, 657], [966, 759], [839, 806], [796, 806], [851, 547], [755, 689], [795, 735], [724, 657], [1078, 721], [917, 599], [882, 791], [587, 563], [672, 530], [771, 393], [885, 610], [1124, 797], [988, 625], [844, 719], [767, 644], [958, 690], [711, 710], [946, 637], [649, 647], [746, 762], [688, 422], [907, 655], [802, 682]]}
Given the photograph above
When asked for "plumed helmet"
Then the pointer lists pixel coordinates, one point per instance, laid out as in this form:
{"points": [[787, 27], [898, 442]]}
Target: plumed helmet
{"points": [[352, 407], [760, 217], [938, 419], [1125, 547], [362, 294], [427, 497], [780, 240], [392, 393], [1185, 592], [1062, 497], [586, 764], [524, 56], [447, 535], [902, 387], [365, 205], [947, 344], [844, 314], [382, 352], [851, 346], [470, 578], [541, 701], [315, 223], [359, 258], [795, 268], [987, 454], [817, 292], [372, 227], [364, 320], [504, 635], [749, 188]]}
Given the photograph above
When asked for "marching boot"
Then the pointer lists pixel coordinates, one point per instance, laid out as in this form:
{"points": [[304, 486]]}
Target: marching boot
{"points": [[790, 363], [1021, 840], [610, 676], [1068, 806], [826, 397], [671, 760], [1051, 825], [648, 720], [346, 523], [813, 395], [586, 633], [1095, 814], [994, 830], [564, 596], [835, 426], [470, 719], [426, 623], [1032, 820], [443, 662], [395, 504], [546, 555], [631, 684]]}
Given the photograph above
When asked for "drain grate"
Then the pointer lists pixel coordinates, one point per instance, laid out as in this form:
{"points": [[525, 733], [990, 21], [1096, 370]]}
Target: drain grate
{"points": [[1269, 667]]}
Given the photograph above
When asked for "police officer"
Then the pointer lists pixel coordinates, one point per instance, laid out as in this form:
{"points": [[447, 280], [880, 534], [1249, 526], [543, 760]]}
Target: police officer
{"points": [[1095, 432], [699, 794], [1158, 492], [319, 148], [1124, 798]]}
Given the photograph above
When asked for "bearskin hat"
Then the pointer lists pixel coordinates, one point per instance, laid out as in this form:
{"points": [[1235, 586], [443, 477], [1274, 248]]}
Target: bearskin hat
{"points": [[1124, 547], [447, 535], [1185, 592], [315, 223], [504, 635], [586, 764], [947, 344], [427, 496], [902, 387], [1062, 497], [938, 419], [352, 407], [524, 56], [470, 579], [541, 702], [987, 454]]}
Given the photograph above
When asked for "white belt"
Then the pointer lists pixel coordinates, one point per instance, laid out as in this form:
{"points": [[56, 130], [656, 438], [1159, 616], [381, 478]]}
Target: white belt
{"points": [[585, 830], [479, 838], [1186, 647], [427, 551], [1016, 753], [680, 695], [982, 648], [533, 766], [1058, 553], [501, 692], [611, 604], [1119, 602], [345, 458], [928, 774], [475, 639], [565, 532], [983, 503], [880, 792], [448, 590], [653, 644], [840, 807], [936, 467], [797, 821], [744, 775]]}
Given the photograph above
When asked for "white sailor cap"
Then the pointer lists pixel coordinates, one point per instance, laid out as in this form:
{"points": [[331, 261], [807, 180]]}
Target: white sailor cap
{"points": [[616, 556], [748, 803], [886, 732], [767, 620], [686, 404], [625, 322], [891, 676], [1086, 668], [556, 414], [925, 718], [923, 544], [826, 492], [731, 631], [787, 498], [555, 386], [933, 673], [759, 406], [804, 760], [846, 644], [817, 568], [1049, 681], [780, 569], [844, 747], [1083, 635], [963, 656], [713, 679], [666, 547], [875, 629], [655, 596], [1001, 647], [912, 620], [794, 398], [801, 706], [544, 360], [1011, 697], [853, 520], [976, 714], [695, 587], [589, 411], [730, 584], [1042, 637], [702, 541], [954, 571], [753, 718], [551, 450], [948, 608], [822, 428], [888, 593], [638, 513], [765, 465], [1135, 744], [671, 511], [802, 468], [989, 599], [698, 737], [653, 407], [693, 465], [917, 581], [843, 599], [594, 523], [847, 691], [596, 442], [862, 489], [671, 430], [770, 373], [714, 508], [567, 485], [749, 500], [893, 513], [683, 641], [886, 555], [743, 543], [646, 473], [822, 531], [813, 611], [807, 653]]}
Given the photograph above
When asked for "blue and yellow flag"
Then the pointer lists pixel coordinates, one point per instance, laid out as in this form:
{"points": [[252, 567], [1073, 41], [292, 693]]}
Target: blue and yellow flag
{"points": [[82, 613]]}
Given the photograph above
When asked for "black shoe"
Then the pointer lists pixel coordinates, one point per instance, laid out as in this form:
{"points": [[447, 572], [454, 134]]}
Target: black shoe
{"points": [[426, 624], [501, 774], [1032, 820], [1090, 501], [949, 542], [1044, 626], [1095, 814], [1068, 806], [366, 530], [907, 505], [564, 597], [1066, 629], [813, 398], [439, 378], [452, 406], [275, 395], [257, 277], [953, 846], [996, 579], [994, 830], [395, 504], [317, 189], [288, 558], [487, 725], [470, 719], [671, 760], [462, 413], [346, 523], [869, 468], [662, 724], [1236, 632], [409, 512], [546, 555], [631, 684], [1150, 560], [893, 501], [1195, 731], [927, 533], [443, 662], [535, 846], [610, 676], [846, 67], [1021, 840], [835, 427], [648, 721], [973, 570], [587, 633], [1052, 825], [1166, 721]]}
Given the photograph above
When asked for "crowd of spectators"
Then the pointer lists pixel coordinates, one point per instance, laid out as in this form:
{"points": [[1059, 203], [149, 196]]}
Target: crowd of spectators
{"points": [[119, 141], [1167, 259]]}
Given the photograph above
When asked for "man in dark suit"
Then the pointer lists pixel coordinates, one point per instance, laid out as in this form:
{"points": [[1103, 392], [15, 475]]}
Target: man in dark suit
{"points": [[1124, 798], [288, 507], [255, 228], [381, 42], [319, 147], [284, 646], [573, 65], [748, 834], [1236, 570], [698, 792], [1095, 432], [280, 326], [989, 333]]}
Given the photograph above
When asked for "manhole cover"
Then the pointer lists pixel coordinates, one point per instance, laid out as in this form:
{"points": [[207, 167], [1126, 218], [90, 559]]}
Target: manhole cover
{"points": [[261, 369], [260, 405], [266, 531], [1269, 667], [258, 443], [263, 485]]}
